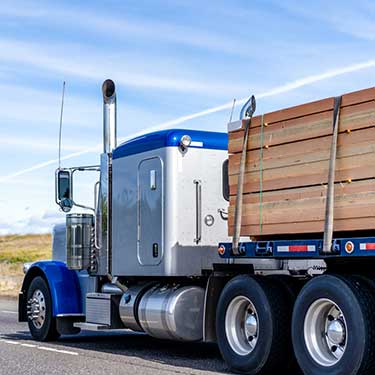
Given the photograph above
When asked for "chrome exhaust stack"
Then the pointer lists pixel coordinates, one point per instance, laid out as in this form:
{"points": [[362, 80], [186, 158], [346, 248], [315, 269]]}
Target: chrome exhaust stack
{"points": [[104, 206], [109, 116]]}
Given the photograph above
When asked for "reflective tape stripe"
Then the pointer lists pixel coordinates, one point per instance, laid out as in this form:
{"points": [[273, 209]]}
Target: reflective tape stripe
{"points": [[367, 246], [296, 248]]}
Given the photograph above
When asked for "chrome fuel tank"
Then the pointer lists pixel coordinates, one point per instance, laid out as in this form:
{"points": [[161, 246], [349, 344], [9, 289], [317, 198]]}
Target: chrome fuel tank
{"points": [[173, 312]]}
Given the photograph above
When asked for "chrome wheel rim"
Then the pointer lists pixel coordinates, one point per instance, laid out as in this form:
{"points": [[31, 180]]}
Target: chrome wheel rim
{"points": [[36, 309], [325, 332], [241, 325]]}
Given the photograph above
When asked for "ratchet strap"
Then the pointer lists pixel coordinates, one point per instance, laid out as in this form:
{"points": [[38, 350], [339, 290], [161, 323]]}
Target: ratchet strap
{"points": [[241, 176], [261, 176], [330, 198]]}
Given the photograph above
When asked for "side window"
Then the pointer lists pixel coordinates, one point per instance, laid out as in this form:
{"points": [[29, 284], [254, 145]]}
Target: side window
{"points": [[225, 181]]}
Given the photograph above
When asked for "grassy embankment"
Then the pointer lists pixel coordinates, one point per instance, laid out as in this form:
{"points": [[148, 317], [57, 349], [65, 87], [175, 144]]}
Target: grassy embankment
{"points": [[16, 250]]}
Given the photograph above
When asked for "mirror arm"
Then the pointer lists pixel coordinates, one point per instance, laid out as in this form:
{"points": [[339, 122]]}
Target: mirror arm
{"points": [[94, 168]]}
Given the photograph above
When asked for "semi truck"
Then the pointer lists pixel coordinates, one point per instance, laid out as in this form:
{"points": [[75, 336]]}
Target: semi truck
{"points": [[153, 255]]}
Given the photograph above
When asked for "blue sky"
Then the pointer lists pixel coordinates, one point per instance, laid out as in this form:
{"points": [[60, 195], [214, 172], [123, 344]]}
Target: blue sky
{"points": [[169, 59]]}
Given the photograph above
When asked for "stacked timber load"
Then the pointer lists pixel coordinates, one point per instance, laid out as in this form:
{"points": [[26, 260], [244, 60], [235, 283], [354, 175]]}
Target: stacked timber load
{"points": [[287, 168]]}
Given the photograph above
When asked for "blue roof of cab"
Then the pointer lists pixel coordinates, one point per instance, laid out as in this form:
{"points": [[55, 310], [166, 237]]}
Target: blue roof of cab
{"points": [[171, 138]]}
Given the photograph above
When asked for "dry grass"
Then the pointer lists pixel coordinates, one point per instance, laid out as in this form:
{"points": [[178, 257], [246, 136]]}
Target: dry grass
{"points": [[16, 250]]}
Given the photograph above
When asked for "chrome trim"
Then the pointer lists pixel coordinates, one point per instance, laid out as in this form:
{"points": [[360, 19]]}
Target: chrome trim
{"points": [[325, 332], [109, 116], [77, 315], [26, 267], [235, 125], [241, 325], [36, 309], [198, 215]]}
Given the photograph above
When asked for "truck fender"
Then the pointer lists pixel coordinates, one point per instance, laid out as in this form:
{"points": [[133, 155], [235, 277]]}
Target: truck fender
{"points": [[63, 285], [215, 285]]}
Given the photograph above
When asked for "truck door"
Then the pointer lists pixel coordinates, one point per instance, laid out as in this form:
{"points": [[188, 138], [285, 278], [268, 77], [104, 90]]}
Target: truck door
{"points": [[150, 212]]}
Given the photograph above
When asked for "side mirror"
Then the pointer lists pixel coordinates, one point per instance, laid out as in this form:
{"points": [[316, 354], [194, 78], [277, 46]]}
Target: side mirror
{"points": [[63, 190]]}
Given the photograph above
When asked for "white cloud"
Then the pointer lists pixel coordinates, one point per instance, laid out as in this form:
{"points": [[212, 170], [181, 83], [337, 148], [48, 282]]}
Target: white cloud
{"points": [[38, 145], [126, 27], [347, 17], [285, 88], [42, 223], [125, 70]]}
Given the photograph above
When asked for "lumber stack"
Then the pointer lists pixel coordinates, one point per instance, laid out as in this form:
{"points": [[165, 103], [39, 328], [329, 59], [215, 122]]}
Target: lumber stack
{"points": [[287, 168]]}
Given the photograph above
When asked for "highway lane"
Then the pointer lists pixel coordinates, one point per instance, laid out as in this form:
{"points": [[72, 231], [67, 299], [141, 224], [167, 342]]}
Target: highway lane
{"points": [[99, 353]]}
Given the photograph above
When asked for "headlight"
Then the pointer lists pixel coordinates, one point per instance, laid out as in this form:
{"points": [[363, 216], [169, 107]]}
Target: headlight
{"points": [[26, 267]]}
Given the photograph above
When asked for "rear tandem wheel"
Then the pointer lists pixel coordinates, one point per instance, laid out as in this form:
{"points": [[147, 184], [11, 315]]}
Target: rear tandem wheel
{"points": [[333, 326], [253, 325]]}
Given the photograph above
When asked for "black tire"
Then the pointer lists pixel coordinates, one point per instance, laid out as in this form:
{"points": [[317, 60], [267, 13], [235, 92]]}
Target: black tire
{"points": [[47, 331], [273, 348], [355, 298], [292, 287]]}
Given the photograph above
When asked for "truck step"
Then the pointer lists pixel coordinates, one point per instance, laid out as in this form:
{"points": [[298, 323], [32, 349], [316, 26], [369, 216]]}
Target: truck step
{"points": [[95, 327]]}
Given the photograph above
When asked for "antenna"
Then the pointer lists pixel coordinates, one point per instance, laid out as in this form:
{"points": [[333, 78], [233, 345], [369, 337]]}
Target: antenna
{"points": [[61, 119], [231, 113]]}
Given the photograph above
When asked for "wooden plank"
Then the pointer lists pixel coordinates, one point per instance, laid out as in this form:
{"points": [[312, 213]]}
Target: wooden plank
{"points": [[312, 150], [295, 169], [354, 167], [346, 207], [303, 208], [310, 192], [304, 228], [348, 99], [359, 96], [312, 126]]}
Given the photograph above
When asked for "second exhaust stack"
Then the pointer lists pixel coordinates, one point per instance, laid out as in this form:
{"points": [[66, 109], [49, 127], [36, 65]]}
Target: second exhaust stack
{"points": [[109, 116]]}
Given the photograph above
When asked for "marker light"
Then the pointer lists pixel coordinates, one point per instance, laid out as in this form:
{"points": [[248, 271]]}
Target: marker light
{"points": [[221, 250], [349, 247], [185, 141]]}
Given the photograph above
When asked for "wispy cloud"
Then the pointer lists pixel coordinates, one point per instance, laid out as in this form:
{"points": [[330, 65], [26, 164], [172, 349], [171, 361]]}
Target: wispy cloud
{"points": [[37, 145], [128, 26], [347, 17], [41, 223], [287, 87], [123, 68]]}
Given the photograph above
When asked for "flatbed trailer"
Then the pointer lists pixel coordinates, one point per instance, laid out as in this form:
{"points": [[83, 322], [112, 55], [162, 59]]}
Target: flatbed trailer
{"points": [[153, 255]]}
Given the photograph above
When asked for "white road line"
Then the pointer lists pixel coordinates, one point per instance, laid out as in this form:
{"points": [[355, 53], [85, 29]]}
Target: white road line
{"points": [[11, 342], [46, 348], [56, 350], [9, 312], [29, 345]]}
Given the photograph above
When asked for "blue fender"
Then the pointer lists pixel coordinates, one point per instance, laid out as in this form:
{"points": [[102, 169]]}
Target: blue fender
{"points": [[63, 285]]}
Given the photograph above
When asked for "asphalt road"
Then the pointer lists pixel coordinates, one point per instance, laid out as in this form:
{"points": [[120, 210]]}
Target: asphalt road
{"points": [[99, 353]]}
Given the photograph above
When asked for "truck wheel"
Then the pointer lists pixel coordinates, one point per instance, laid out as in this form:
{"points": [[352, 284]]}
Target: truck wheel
{"points": [[253, 325], [41, 323], [333, 326]]}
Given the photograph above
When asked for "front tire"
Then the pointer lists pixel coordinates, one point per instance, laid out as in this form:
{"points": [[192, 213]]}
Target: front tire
{"points": [[333, 326], [42, 324], [252, 325]]}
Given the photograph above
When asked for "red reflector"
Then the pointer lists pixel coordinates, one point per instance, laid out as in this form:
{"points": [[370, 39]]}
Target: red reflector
{"points": [[296, 248]]}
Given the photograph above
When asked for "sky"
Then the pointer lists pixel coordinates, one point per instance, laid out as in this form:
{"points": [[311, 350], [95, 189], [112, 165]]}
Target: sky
{"points": [[169, 59]]}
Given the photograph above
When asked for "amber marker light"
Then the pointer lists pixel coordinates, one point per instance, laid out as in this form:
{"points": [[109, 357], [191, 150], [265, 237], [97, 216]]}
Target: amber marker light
{"points": [[349, 247], [221, 250]]}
